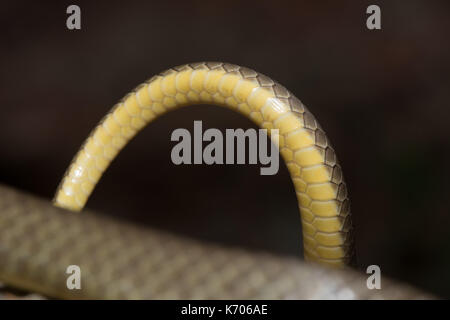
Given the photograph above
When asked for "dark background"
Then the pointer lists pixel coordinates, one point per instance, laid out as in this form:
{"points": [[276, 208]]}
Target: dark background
{"points": [[382, 97]]}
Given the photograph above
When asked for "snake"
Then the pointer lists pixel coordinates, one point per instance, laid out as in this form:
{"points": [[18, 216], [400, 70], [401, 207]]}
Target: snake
{"points": [[119, 260]]}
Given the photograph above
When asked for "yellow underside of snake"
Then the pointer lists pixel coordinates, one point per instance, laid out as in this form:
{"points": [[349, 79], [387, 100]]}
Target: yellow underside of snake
{"points": [[316, 174], [312, 163]]}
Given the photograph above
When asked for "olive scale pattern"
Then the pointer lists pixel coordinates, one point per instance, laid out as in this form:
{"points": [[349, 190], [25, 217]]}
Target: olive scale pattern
{"points": [[312, 163], [122, 261]]}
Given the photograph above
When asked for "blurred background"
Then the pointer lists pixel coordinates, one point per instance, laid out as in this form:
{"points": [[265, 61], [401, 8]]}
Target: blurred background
{"points": [[382, 97]]}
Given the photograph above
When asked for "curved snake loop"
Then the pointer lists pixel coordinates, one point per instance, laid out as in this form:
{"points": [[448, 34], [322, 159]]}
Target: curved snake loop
{"points": [[312, 162]]}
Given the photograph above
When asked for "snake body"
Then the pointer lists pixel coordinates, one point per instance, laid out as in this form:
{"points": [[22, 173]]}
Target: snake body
{"points": [[312, 162], [120, 261], [38, 242]]}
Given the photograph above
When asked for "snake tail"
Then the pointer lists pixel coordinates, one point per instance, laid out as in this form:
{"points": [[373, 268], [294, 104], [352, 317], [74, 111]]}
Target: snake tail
{"points": [[315, 171]]}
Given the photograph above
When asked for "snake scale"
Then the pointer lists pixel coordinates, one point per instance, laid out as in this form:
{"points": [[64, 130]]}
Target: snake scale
{"points": [[38, 241]]}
